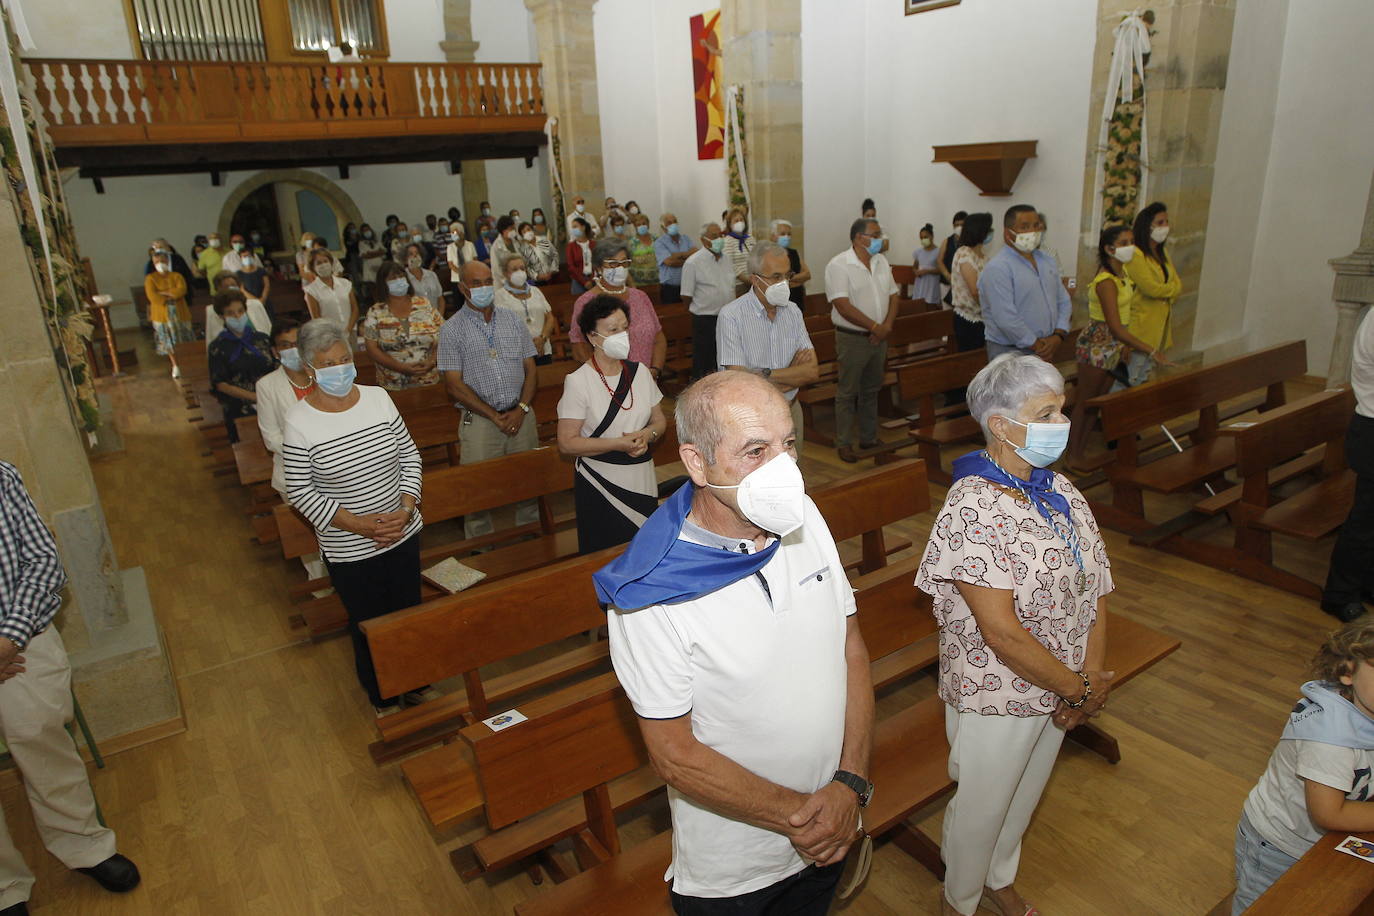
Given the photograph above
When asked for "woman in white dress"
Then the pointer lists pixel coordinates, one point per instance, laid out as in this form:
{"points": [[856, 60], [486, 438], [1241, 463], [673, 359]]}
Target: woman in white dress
{"points": [[329, 295], [423, 281], [527, 301], [609, 418]]}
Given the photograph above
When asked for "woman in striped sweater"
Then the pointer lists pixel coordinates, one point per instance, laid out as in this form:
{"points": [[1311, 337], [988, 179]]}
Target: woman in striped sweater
{"points": [[353, 471]]}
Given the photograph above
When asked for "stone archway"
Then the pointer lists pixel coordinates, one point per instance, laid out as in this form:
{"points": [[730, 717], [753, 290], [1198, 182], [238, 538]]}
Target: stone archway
{"points": [[336, 196]]}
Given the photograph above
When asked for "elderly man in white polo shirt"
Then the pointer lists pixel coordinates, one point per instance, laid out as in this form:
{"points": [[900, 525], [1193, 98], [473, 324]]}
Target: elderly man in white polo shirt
{"points": [[708, 285], [763, 331], [863, 302], [732, 630]]}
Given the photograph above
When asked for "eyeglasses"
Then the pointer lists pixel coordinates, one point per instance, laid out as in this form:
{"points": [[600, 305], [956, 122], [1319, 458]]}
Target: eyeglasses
{"points": [[776, 278], [625, 263]]}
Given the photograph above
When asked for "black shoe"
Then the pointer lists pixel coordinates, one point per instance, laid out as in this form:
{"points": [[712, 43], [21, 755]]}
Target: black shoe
{"points": [[847, 454], [116, 874], [1344, 612], [869, 446], [19, 909]]}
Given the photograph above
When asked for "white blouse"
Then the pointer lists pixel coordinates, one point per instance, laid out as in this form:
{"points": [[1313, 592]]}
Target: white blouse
{"points": [[531, 311], [333, 300]]}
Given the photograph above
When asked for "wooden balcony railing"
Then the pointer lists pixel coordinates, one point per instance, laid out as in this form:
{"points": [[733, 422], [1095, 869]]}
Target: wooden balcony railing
{"points": [[108, 102]]}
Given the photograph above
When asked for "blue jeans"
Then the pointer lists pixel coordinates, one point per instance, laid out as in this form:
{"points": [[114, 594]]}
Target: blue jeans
{"points": [[1259, 864], [1139, 368]]}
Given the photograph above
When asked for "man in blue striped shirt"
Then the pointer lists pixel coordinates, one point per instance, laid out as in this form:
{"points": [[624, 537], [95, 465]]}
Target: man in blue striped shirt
{"points": [[35, 704], [763, 331]]}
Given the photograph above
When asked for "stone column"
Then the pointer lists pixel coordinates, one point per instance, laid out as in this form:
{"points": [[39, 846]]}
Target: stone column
{"points": [[459, 48], [567, 51], [761, 45], [120, 668], [1354, 291], [1185, 81]]}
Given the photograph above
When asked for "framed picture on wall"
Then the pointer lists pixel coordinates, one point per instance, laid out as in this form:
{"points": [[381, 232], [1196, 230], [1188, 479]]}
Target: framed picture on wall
{"points": [[921, 6]]}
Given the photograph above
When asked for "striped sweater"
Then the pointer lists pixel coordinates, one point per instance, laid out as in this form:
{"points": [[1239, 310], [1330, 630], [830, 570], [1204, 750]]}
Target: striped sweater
{"points": [[361, 459]]}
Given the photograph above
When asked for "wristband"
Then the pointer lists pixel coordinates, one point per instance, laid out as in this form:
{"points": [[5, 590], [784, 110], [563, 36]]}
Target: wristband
{"points": [[1087, 692]]}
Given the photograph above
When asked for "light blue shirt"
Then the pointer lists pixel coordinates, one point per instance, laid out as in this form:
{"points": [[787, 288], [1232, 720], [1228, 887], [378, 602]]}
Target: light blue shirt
{"points": [[491, 355], [664, 247], [745, 336], [1021, 303]]}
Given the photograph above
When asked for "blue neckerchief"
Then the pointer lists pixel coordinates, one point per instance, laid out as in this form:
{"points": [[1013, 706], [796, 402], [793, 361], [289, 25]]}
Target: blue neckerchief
{"points": [[658, 567], [1323, 715], [244, 343], [1040, 487]]}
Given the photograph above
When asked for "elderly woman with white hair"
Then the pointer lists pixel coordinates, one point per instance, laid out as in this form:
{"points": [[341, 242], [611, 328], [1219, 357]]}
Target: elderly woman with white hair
{"points": [[1018, 574], [527, 301], [352, 469]]}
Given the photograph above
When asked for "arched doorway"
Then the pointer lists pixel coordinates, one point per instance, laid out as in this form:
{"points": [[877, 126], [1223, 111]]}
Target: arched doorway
{"points": [[281, 204]]}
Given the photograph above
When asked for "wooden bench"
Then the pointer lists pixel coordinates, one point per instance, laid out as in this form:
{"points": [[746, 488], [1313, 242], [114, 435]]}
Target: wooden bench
{"points": [[1127, 414], [909, 763], [933, 428], [858, 507], [1324, 882]]}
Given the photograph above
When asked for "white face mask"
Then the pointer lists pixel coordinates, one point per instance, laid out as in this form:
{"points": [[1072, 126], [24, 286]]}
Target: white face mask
{"points": [[615, 276], [1159, 234], [324, 269], [214, 243], [1125, 253], [581, 208], [737, 227], [777, 294], [517, 278], [162, 267], [772, 496], [617, 345], [1026, 242], [529, 235]]}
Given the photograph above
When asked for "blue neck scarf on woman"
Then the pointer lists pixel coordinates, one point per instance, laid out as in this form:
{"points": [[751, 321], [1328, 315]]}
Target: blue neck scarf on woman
{"points": [[658, 567], [244, 342], [1040, 487], [1324, 716]]}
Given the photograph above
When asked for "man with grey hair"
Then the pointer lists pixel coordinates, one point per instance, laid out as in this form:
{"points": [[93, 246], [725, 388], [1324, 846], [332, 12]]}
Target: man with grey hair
{"points": [[763, 331], [780, 231], [671, 249], [863, 301], [708, 285], [765, 750]]}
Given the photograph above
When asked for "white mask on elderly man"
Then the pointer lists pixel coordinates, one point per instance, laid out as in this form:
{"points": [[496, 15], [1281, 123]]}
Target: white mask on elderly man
{"points": [[772, 495], [778, 294]]}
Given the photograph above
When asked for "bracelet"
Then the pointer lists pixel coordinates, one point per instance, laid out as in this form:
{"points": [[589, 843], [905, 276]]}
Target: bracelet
{"points": [[1087, 692]]}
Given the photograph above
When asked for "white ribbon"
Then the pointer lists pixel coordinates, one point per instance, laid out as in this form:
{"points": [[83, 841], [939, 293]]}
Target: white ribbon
{"points": [[555, 179], [1128, 59], [733, 135]]}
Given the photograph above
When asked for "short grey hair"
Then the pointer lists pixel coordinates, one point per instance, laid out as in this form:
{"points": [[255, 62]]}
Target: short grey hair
{"points": [[604, 249], [319, 335], [774, 225], [505, 257], [700, 411], [762, 250], [706, 226], [1002, 386]]}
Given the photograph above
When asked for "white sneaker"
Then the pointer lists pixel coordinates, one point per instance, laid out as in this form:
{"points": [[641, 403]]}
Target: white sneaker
{"points": [[176, 372]]}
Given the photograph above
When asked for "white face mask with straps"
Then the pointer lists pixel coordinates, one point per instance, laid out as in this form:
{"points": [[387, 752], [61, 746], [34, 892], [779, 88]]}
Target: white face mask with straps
{"points": [[772, 496]]}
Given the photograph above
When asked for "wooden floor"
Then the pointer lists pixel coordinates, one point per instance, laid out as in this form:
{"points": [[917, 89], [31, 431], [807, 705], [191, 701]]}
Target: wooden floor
{"points": [[269, 803]]}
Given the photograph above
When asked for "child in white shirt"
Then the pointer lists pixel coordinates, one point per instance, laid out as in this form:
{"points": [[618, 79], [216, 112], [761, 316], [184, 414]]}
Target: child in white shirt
{"points": [[1318, 778]]}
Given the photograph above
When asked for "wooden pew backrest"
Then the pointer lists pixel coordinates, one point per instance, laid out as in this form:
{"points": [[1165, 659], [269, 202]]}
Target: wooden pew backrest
{"points": [[910, 329], [1288, 431], [1128, 412], [942, 373], [453, 491], [892, 612], [882, 496], [413, 399]]}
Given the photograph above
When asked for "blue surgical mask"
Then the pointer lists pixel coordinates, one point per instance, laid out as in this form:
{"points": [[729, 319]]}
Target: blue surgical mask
{"points": [[784, 240], [988, 240], [673, 230], [336, 380], [718, 244], [642, 229], [1045, 442], [577, 232], [482, 296], [238, 324], [398, 286], [875, 246], [290, 358]]}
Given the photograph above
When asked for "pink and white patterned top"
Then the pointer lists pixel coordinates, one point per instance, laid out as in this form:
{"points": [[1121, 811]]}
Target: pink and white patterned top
{"points": [[989, 537]]}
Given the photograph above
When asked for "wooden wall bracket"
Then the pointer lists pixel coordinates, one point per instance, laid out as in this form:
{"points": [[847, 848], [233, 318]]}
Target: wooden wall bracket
{"points": [[993, 167]]}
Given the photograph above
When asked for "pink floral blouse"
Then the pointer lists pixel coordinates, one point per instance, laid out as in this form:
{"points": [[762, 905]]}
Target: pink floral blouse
{"points": [[989, 537]]}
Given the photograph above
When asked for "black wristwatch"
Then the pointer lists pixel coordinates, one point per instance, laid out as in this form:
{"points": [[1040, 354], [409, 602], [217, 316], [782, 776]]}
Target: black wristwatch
{"points": [[862, 787], [766, 372]]}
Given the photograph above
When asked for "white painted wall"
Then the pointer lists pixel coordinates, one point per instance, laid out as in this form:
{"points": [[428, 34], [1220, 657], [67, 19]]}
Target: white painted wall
{"points": [[414, 29], [1288, 202], [882, 88], [648, 124], [77, 28]]}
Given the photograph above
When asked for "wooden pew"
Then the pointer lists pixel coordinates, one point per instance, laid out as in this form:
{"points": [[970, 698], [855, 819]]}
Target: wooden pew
{"points": [[1303, 438], [933, 429], [908, 763], [1127, 414], [1324, 882], [857, 507]]}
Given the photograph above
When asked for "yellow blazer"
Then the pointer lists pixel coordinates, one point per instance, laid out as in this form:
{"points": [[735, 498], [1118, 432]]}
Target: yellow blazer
{"points": [[1154, 299]]}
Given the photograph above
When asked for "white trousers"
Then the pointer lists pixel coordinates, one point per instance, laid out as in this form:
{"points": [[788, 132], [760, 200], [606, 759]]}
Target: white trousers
{"points": [[33, 709], [1001, 764]]}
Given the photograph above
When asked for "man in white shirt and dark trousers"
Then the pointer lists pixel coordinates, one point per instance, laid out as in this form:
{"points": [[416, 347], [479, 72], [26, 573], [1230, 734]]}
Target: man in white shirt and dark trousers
{"points": [[1348, 579], [708, 285], [763, 331], [863, 306], [35, 704], [732, 631]]}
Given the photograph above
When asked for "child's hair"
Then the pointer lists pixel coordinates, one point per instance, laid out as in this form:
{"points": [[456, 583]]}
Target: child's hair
{"points": [[1342, 651]]}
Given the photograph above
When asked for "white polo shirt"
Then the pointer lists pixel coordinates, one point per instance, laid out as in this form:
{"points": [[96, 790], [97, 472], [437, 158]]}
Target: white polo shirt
{"points": [[763, 675], [709, 280], [866, 288]]}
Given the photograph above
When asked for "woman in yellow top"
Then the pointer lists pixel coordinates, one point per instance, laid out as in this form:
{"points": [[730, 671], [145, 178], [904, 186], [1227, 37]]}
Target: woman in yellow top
{"points": [[1108, 336], [167, 309], [1157, 288]]}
